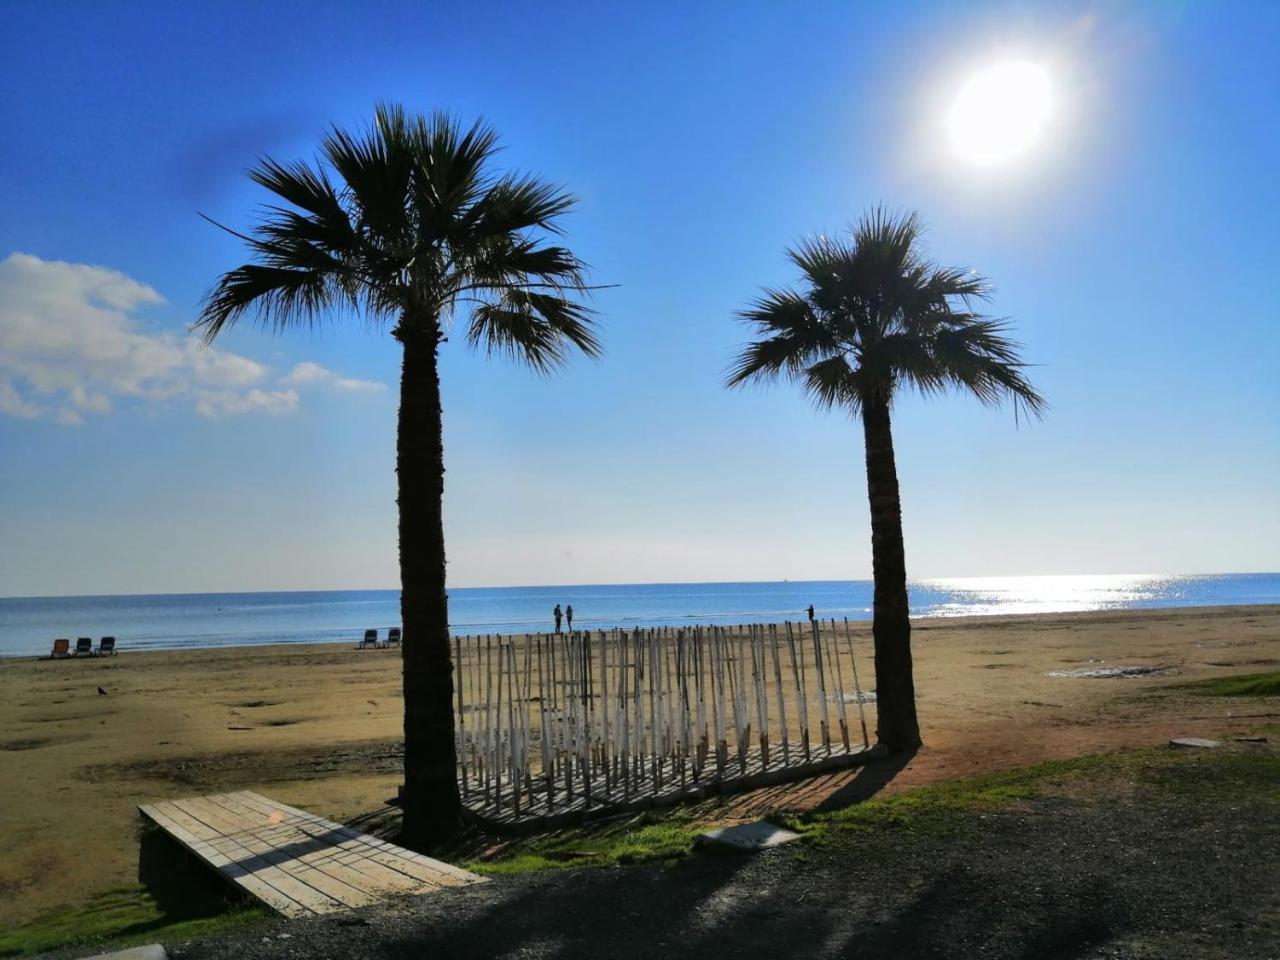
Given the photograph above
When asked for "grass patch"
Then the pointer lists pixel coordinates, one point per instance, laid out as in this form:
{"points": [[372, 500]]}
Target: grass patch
{"points": [[1219, 773], [945, 807], [649, 837], [1246, 685], [177, 899], [948, 807], [939, 809], [121, 918]]}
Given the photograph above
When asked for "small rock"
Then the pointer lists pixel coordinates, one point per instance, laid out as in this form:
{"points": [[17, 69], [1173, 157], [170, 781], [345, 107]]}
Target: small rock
{"points": [[152, 951], [1194, 743], [747, 836]]}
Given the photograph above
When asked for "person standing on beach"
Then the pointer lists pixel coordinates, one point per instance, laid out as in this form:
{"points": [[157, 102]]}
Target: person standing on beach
{"points": [[811, 613], [556, 613], [568, 616]]}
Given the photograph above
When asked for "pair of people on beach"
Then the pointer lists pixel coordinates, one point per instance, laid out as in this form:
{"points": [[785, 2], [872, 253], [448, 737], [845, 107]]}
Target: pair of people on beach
{"points": [[567, 615]]}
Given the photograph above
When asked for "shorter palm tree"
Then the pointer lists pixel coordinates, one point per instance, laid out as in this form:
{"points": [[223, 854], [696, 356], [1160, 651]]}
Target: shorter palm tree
{"points": [[874, 315]]}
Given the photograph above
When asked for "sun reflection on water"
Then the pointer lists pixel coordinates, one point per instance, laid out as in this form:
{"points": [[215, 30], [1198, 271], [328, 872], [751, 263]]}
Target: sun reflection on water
{"points": [[976, 596]]}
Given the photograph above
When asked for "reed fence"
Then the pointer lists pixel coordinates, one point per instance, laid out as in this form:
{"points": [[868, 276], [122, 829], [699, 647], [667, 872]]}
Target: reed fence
{"points": [[557, 726]]}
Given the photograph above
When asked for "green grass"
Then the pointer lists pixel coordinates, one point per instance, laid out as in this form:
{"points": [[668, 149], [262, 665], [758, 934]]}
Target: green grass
{"points": [[1246, 685], [948, 807], [937, 809], [120, 918], [945, 807], [650, 837]]}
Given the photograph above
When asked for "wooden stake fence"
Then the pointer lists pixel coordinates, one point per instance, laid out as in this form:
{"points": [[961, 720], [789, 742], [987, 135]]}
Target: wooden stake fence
{"points": [[553, 726]]}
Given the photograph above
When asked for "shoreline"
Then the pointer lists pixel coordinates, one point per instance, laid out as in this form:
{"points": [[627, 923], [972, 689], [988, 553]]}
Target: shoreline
{"points": [[320, 726], [957, 621]]}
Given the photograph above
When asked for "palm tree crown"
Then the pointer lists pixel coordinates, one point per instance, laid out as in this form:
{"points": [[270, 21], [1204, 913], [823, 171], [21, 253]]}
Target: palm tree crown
{"points": [[415, 229], [873, 314]]}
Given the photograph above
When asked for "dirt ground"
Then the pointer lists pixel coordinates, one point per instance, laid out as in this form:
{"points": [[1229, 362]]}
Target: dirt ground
{"points": [[1174, 860], [317, 726]]}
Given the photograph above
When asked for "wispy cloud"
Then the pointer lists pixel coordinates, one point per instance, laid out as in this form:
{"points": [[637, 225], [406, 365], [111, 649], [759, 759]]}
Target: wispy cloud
{"points": [[308, 373], [71, 346]]}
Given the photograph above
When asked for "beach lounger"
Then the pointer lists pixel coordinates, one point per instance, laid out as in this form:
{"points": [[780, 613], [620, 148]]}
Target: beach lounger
{"points": [[61, 648], [393, 637], [370, 640], [84, 647], [107, 645]]}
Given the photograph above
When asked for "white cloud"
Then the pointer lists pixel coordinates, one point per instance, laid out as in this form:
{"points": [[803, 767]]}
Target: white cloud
{"points": [[312, 373], [71, 345], [11, 402], [225, 403]]}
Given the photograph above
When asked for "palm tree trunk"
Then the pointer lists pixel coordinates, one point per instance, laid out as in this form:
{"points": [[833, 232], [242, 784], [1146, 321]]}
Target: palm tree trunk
{"points": [[891, 624], [430, 796]]}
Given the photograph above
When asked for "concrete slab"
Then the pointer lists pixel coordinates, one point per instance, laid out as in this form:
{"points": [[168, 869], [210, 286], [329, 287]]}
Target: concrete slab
{"points": [[747, 836], [1194, 743], [152, 951]]}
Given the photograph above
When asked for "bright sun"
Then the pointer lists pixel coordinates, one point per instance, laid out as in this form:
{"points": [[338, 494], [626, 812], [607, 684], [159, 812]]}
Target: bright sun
{"points": [[1000, 112]]}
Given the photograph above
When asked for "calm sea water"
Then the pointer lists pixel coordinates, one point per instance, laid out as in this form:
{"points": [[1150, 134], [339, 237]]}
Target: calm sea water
{"points": [[29, 625]]}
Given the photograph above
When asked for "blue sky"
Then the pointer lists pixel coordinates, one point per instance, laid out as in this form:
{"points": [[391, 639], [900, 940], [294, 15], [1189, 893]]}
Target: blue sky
{"points": [[1135, 249]]}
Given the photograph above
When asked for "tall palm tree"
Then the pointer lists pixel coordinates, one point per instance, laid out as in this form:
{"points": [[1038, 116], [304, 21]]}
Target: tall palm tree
{"points": [[407, 225], [874, 315]]}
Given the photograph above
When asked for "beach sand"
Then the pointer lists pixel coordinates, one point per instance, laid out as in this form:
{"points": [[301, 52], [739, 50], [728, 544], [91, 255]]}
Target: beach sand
{"points": [[318, 726]]}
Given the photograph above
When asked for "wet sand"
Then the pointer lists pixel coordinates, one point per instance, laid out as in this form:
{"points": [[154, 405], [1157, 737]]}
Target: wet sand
{"points": [[317, 726]]}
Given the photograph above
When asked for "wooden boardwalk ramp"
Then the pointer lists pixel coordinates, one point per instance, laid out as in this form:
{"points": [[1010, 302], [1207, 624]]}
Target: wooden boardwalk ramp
{"points": [[293, 861]]}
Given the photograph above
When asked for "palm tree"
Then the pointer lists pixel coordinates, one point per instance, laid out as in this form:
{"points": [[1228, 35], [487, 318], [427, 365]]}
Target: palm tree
{"points": [[407, 225], [875, 315]]}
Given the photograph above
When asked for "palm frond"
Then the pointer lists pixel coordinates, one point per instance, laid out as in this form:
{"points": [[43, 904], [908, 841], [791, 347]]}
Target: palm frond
{"points": [[873, 312], [515, 261], [534, 327], [281, 297], [519, 203], [833, 383], [795, 337], [405, 218], [376, 168]]}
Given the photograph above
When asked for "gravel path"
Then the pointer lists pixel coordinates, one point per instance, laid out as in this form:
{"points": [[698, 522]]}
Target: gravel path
{"points": [[1157, 873]]}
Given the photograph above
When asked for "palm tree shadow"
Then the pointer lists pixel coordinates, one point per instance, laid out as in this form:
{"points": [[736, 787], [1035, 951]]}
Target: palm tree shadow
{"points": [[869, 780]]}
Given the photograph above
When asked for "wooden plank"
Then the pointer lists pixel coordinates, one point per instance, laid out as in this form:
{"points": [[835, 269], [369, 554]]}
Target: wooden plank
{"points": [[272, 886], [256, 886], [374, 874], [252, 861], [293, 861], [341, 879], [325, 887], [336, 883], [447, 869]]}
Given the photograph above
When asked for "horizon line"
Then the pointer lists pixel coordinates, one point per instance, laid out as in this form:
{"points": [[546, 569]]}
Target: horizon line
{"points": [[633, 583]]}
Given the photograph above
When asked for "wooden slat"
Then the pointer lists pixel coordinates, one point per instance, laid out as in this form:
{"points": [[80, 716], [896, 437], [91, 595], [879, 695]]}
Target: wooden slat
{"points": [[264, 881], [253, 884], [293, 861], [277, 854], [374, 851], [307, 889], [449, 874], [320, 854]]}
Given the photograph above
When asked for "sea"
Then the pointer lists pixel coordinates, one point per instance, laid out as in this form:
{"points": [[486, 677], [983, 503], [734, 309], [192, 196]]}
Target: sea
{"points": [[28, 625]]}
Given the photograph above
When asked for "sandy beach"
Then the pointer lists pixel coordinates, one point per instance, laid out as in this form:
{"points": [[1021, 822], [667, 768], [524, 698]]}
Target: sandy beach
{"points": [[318, 726]]}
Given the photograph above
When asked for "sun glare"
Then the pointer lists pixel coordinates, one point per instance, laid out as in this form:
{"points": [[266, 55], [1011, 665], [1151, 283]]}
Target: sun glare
{"points": [[1000, 113]]}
